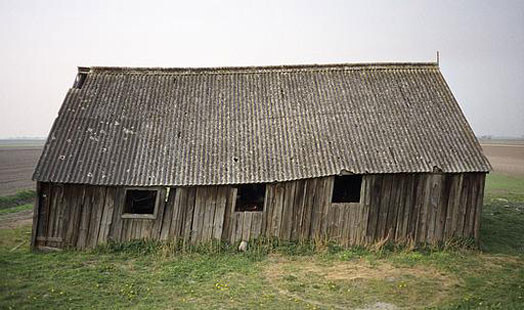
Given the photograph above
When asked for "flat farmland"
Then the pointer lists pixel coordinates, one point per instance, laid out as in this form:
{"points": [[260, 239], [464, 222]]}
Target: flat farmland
{"points": [[507, 159], [18, 160]]}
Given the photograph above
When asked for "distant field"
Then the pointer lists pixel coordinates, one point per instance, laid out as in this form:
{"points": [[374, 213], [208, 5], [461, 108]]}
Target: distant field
{"points": [[506, 159], [18, 159]]}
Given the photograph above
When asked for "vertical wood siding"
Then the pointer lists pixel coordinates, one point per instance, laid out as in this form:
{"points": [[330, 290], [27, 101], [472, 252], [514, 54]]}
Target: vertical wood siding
{"points": [[400, 207]]}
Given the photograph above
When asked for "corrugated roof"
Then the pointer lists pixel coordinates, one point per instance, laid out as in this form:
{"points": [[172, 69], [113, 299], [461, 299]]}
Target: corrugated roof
{"points": [[162, 126]]}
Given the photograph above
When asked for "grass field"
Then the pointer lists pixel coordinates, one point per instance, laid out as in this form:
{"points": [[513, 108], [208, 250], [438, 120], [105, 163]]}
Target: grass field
{"points": [[278, 276]]}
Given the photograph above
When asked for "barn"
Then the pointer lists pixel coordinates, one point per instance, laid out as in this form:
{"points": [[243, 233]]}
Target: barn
{"points": [[350, 153]]}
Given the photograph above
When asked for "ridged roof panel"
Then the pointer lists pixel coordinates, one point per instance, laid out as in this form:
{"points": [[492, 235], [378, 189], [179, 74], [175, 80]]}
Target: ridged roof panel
{"points": [[203, 126]]}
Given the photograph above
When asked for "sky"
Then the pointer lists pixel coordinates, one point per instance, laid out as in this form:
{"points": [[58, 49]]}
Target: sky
{"points": [[481, 46]]}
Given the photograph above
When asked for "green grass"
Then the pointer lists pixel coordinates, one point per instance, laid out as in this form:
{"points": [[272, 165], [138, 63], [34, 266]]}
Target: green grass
{"points": [[16, 209], [18, 199], [277, 275], [505, 187]]}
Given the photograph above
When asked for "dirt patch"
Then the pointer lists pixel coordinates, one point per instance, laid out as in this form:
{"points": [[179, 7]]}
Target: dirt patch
{"points": [[379, 281], [14, 220], [357, 269]]}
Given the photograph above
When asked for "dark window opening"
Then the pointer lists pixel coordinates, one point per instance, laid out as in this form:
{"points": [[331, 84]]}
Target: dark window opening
{"points": [[140, 201], [347, 188], [80, 79], [250, 197]]}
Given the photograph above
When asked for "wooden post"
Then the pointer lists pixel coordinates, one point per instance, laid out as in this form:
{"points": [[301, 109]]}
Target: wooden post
{"points": [[36, 210]]}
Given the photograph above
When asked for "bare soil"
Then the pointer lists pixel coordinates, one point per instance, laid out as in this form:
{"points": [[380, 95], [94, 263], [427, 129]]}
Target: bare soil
{"points": [[14, 220], [506, 159], [17, 164], [360, 272]]}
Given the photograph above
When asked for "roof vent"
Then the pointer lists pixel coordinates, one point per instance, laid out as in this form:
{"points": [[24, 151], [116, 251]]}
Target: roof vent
{"points": [[80, 77]]}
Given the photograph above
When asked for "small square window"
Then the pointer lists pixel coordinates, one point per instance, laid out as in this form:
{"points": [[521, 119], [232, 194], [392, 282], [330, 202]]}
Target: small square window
{"points": [[250, 197], [140, 203], [347, 188]]}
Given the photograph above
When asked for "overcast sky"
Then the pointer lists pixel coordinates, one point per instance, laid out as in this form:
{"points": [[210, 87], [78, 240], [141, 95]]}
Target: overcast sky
{"points": [[42, 42]]}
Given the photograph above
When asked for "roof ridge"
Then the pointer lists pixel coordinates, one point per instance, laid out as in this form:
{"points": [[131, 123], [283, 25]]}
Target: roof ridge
{"points": [[271, 68]]}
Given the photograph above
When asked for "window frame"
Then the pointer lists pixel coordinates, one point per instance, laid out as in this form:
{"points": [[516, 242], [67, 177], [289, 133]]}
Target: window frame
{"points": [[237, 187], [360, 194], [153, 216]]}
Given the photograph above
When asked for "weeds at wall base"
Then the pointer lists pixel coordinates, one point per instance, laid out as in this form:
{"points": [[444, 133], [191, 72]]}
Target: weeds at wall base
{"points": [[262, 247]]}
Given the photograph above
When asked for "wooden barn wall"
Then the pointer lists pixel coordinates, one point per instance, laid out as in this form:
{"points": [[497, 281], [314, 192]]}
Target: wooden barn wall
{"points": [[419, 207]]}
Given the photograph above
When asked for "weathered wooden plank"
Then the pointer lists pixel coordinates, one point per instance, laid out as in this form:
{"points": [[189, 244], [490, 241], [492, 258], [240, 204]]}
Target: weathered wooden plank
{"points": [[69, 215], [471, 206], [126, 225], [480, 201], [327, 194], [393, 206], [305, 232], [97, 205], [36, 215], [189, 213], [298, 209], [359, 207], [406, 232], [342, 224], [85, 218], [317, 210], [355, 229], [354, 233], [135, 229], [198, 215], [246, 229], [346, 219], [227, 214], [433, 206], [385, 198], [421, 207], [131, 229], [147, 229], [256, 225], [229, 220], [209, 213], [167, 218], [115, 231], [156, 224], [400, 185], [440, 221], [461, 199], [220, 209], [365, 202], [331, 220], [287, 211], [354, 213], [334, 229], [461, 215], [455, 208], [266, 213], [52, 211], [79, 196], [62, 209], [91, 204], [178, 213], [107, 214], [374, 211], [138, 228], [277, 210], [239, 226]]}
